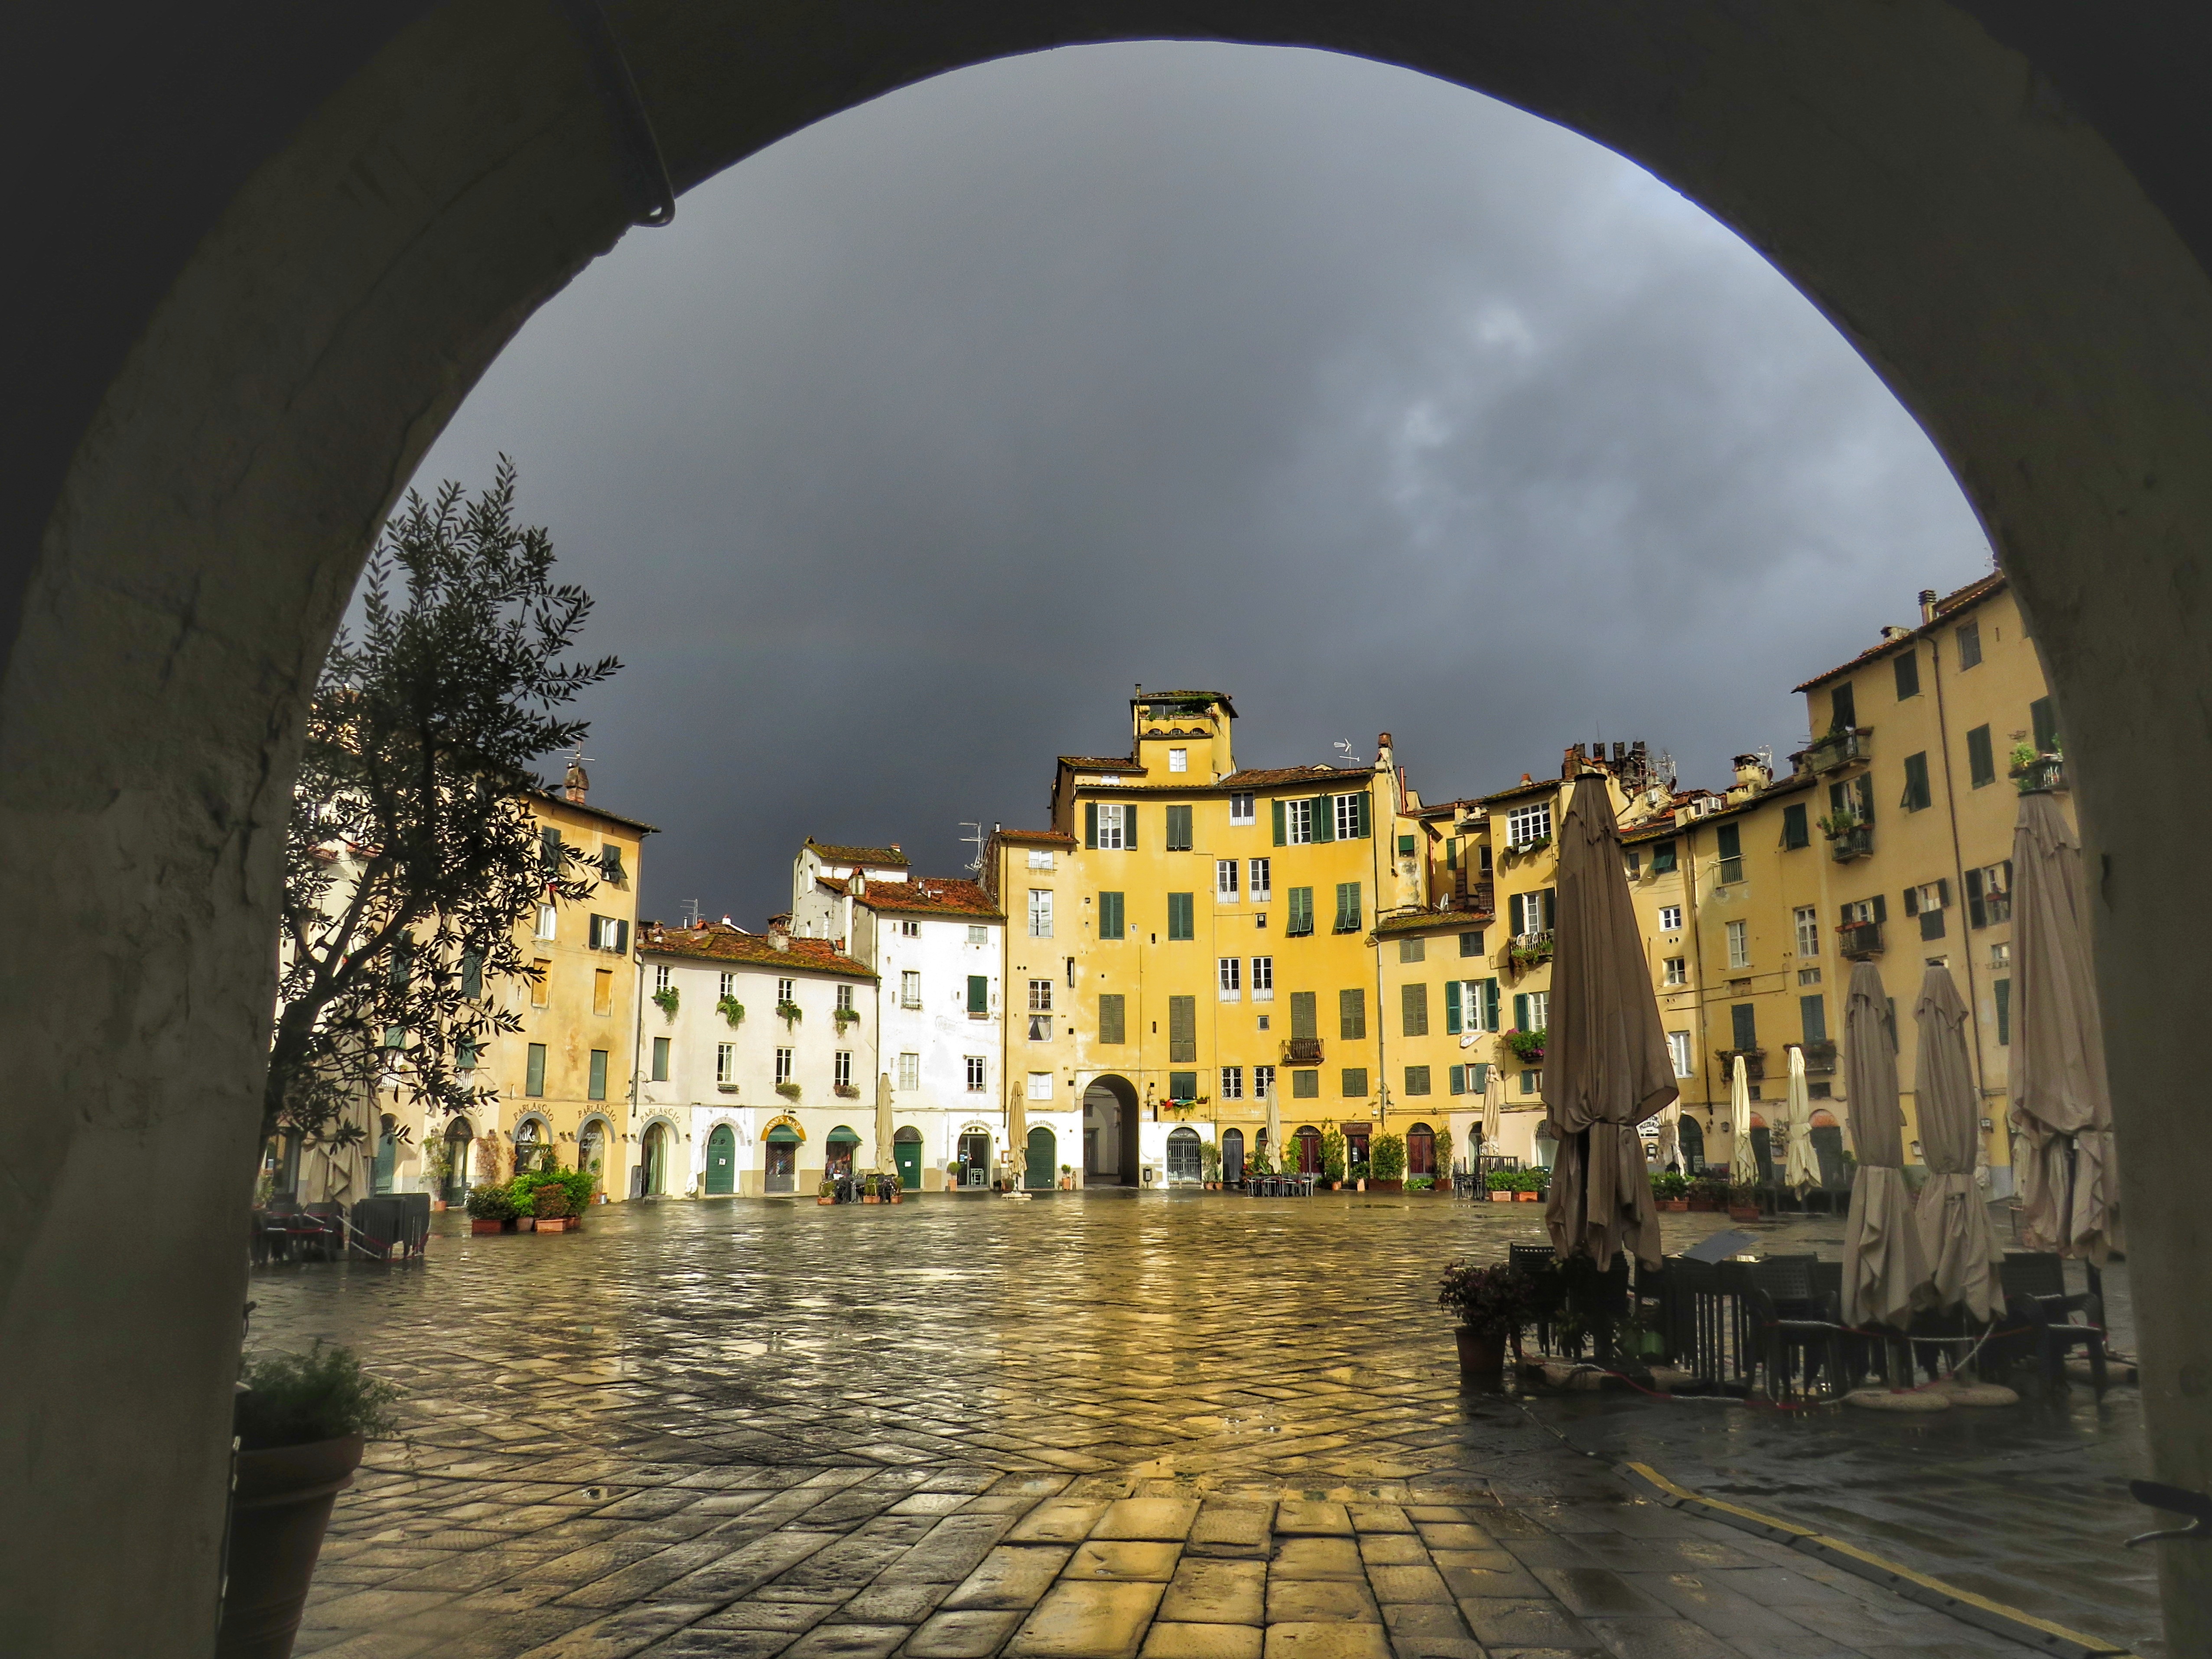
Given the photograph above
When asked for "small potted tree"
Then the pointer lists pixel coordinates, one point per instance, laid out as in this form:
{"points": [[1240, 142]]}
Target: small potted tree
{"points": [[1670, 1189], [552, 1207], [1386, 1163], [1332, 1158], [1209, 1159], [1743, 1201], [491, 1209], [302, 1424], [1492, 1304]]}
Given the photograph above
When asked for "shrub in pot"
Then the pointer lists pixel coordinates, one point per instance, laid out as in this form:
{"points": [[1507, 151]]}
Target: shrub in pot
{"points": [[1492, 1304], [491, 1209], [1386, 1163], [302, 1424], [550, 1205]]}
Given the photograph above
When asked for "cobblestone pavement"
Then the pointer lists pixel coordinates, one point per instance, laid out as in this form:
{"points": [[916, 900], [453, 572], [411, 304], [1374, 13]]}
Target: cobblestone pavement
{"points": [[1190, 1427]]}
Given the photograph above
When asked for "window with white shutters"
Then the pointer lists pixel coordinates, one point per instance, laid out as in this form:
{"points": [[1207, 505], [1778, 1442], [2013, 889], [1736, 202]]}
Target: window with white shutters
{"points": [[909, 1071], [1040, 913], [1263, 979], [1260, 879], [1224, 881]]}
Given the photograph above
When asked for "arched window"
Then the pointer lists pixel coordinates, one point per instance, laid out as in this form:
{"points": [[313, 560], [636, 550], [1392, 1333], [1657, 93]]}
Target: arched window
{"points": [[1232, 1156]]}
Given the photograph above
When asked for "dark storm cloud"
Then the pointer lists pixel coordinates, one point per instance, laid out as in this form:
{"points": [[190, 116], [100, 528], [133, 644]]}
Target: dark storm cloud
{"points": [[925, 433]]}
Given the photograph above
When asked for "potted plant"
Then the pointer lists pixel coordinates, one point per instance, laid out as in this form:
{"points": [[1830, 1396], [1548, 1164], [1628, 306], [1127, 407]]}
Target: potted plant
{"points": [[1067, 1177], [1332, 1158], [1386, 1163], [1743, 1201], [666, 1000], [1505, 1186], [827, 1192], [789, 1014], [1533, 1185], [302, 1424], [844, 1017], [1420, 1183], [731, 1010], [842, 1091], [787, 1088], [1209, 1159], [550, 1205], [1706, 1195], [1527, 1047], [1492, 1304], [491, 1209], [1670, 1190]]}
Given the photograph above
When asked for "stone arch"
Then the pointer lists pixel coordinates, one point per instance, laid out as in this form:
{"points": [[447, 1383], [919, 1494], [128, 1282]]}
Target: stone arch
{"points": [[595, 1139], [1111, 1112], [1986, 202]]}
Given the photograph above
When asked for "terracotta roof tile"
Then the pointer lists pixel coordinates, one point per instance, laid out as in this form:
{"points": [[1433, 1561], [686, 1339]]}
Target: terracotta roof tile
{"points": [[932, 895], [889, 857], [715, 942], [1980, 588], [1533, 787], [1427, 922], [1264, 777], [1100, 763], [1056, 837]]}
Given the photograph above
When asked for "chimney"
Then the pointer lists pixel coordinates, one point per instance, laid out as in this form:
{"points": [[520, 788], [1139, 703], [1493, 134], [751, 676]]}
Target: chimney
{"points": [[779, 934], [1927, 605], [577, 783], [1753, 774]]}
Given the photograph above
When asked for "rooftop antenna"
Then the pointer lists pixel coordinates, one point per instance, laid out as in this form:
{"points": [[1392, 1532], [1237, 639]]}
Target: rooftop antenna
{"points": [[1666, 769], [975, 841], [1344, 748], [691, 913]]}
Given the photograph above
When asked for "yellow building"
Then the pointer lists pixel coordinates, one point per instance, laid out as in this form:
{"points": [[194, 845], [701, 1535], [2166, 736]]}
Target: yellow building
{"points": [[1187, 938], [565, 1079]]}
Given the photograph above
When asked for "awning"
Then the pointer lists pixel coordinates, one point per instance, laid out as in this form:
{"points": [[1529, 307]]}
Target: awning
{"points": [[784, 1134], [840, 1134]]}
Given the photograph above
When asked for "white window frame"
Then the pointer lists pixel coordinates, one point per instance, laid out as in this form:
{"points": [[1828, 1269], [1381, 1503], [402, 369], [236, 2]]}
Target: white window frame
{"points": [[910, 988], [1228, 977], [1348, 818], [786, 990], [725, 1062], [1739, 944], [1041, 858], [1263, 979], [729, 985], [1928, 897], [1674, 971], [1857, 911], [548, 921], [909, 1071], [662, 976], [1178, 760], [1808, 919], [1040, 1085], [841, 1068], [1040, 913], [979, 1073], [1263, 1082], [1225, 871], [1670, 918], [1678, 1050], [1526, 823], [1240, 808], [1260, 879], [783, 1062], [909, 930], [845, 998], [1298, 822], [1110, 838], [1232, 1083], [979, 934], [1474, 1013], [1040, 996], [1539, 1011]]}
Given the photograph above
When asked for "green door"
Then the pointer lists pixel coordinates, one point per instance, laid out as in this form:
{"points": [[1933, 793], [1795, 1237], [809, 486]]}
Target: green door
{"points": [[722, 1162], [1043, 1160], [388, 1155], [908, 1156]]}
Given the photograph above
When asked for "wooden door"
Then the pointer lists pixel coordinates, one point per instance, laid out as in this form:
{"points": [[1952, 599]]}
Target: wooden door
{"points": [[722, 1162], [1043, 1166]]}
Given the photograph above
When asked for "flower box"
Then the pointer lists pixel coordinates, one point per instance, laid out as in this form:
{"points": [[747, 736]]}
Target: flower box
{"points": [[1743, 1211], [479, 1227], [1526, 1198], [1503, 1198], [1675, 1206]]}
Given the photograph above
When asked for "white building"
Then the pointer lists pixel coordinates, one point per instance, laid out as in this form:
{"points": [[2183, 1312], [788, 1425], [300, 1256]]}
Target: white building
{"points": [[936, 946], [756, 1059]]}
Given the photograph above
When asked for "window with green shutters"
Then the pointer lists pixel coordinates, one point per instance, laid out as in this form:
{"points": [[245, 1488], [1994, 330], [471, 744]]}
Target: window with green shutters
{"points": [[2043, 723], [661, 1059], [1451, 853], [1299, 923], [1455, 1006], [1843, 707], [1347, 907], [1275, 816], [1355, 1083], [1489, 1005], [1796, 831], [1663, 859], [1417, 1079], [598, 1090], [1470, 944], [1470, 1080], [979, 994], [1179, 916], [1351, 817], [1178, 828], [1743, 1020], [1111, 1028], [471, 974], [1521, 1011], [1109, 915], [549, 851], [1351, 1014], [2004, 989], [1731, 838], [1305, 1085], [533, 1073], [1916, 798], [1321, 818], [1406, 848], [1455, 1080], [1182, 1085], [1813, 1017], [1305, 1014], [1413, 1009], [1981, 757], [1908, 675], [1182, 1028], [1412, 950]]}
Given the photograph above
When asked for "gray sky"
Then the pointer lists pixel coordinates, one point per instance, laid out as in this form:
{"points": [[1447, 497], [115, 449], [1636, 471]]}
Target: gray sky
{"points": [[924, 435]]}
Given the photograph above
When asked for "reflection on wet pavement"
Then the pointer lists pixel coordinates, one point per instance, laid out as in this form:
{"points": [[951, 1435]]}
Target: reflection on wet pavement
{"points": [[1097, 1423]]}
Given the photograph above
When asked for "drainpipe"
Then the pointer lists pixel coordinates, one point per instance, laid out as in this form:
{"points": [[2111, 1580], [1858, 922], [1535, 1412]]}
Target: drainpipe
{"points": [[1958, 870], [1375, 839], [636, 1041]]}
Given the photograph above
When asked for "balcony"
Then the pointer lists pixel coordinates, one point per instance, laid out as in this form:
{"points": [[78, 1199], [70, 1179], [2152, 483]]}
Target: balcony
{"points": [[1302, 1051], [1754, 1063], [1859, 941], [2044, 772], [1856, 842], [1530, 951], [1839, 749], [1818, 1056]]}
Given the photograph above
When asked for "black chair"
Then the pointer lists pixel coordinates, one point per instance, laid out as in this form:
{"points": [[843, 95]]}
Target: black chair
{"points": [[1790, 1317], [2034, 1284]]}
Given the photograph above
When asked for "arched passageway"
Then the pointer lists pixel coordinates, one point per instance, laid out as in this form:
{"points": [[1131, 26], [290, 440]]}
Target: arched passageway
{"points": [[246, 337], [1110, 1133]]}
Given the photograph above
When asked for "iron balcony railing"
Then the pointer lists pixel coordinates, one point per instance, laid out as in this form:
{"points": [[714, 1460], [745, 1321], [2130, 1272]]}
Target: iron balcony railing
{"points": [[1859, 940]]}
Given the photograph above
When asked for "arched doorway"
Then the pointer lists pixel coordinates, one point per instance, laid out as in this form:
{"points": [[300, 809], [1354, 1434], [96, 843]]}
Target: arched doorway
{"points": [[780, 1158], [460, 1145], [906, 1152], [1420, 1151], [722, 1162], [1693, 1146], [838, 1147], [1309, 1150], [1185, 1162], [1110, 1133], [1232, 1157], [380, 1171], [591, 1149], [531, 1144], [1547, 1145], [1042, 1171], [652, 1168], [974, 1151], [1762, 1146], [1828, 1137]]}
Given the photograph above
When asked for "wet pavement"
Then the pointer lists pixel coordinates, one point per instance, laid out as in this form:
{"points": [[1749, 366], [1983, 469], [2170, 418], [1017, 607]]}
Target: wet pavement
{"points": [[1190, 1427]]}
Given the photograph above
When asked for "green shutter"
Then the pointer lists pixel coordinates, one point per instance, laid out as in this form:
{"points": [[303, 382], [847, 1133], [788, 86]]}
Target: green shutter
{"points": [[661, 1059], [1413, 1009], [1112, 1027], [1795, 830], [1324, 818], [1109, 915], [533, 1078], [1743, 1022], [1981, 757], [1551, 896], [1182, 1085], [1352, 1014], [1417, 1080], [979, 994], [471, 974], [1179, 916], [1300, 922], [2003, 989], [599, 1074], [1363, 829], [1452, 988], [1091, 823], [1182, 1030], [1489, 1005], [1521, 1011], [1129, 826], [1305, 1016], [1178, 830], [2043, 720], [1275, 812], [1458, 1079], [1813, 1017]]}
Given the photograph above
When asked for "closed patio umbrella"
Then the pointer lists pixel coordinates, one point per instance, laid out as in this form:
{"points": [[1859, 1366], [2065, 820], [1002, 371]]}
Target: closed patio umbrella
{"points": [[1800, 1171], [886, 1156], [1962, 1247], [1275, 1135], [2061, 1105], [1493, 1106], [1608, 1066], [1885, 1268], [1743, 1163], [1018, 1137]]}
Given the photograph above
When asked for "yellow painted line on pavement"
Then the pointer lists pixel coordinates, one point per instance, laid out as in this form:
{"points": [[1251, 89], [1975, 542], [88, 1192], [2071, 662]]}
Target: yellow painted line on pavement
{"points": [[2008, 1620]]}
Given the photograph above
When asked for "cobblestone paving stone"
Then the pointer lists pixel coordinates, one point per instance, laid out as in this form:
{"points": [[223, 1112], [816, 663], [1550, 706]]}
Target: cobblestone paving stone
{"points": [[1091, 1426]]}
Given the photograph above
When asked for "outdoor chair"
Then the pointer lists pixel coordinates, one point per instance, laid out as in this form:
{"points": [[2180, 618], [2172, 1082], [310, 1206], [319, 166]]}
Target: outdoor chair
{"points": [[1790, 1317], [2034, 1284]]}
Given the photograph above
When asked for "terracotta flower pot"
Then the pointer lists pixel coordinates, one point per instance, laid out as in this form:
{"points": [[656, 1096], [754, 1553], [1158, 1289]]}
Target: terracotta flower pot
{"points": [[1501, 1198], [277, 1515], [1481, 1357], [825, 1201], [1386, 1186], [480, 1227], [1743, 1213], [1526, 1198], [1675, 1206], [526, 1223]]}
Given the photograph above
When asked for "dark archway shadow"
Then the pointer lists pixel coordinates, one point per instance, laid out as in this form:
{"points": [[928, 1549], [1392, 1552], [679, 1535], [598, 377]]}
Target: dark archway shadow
{"points": [[2009, 225]]}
